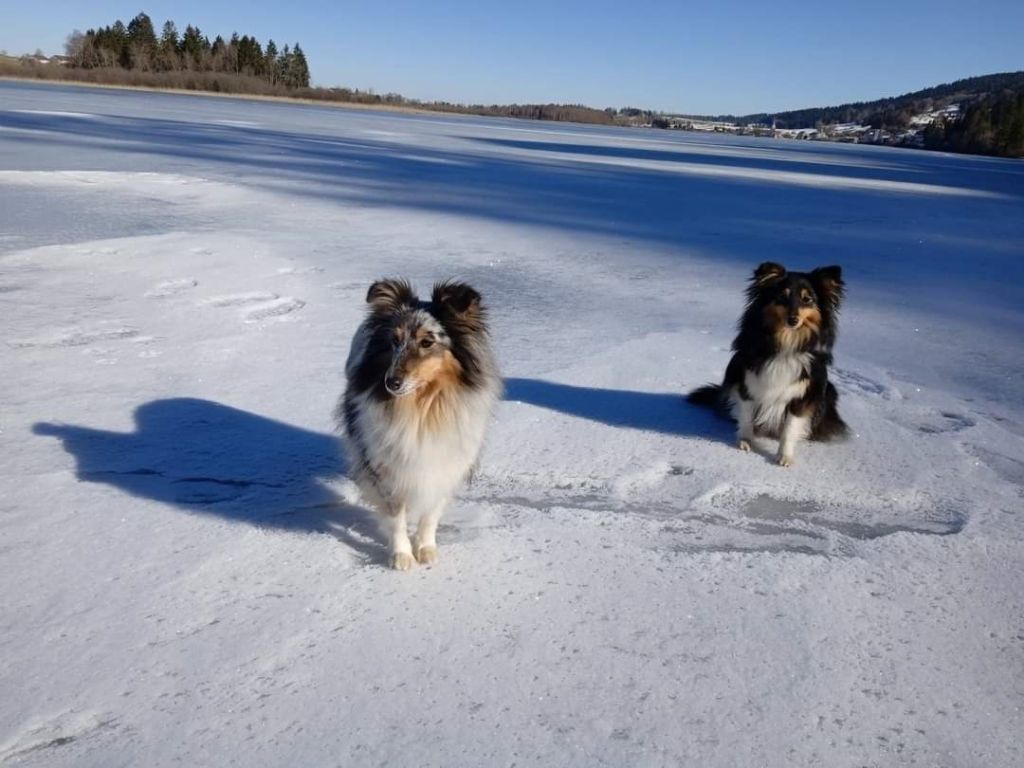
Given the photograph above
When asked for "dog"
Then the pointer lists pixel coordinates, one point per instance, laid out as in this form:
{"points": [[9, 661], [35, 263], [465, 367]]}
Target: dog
{"points": [[776, 383], [422, 383]]}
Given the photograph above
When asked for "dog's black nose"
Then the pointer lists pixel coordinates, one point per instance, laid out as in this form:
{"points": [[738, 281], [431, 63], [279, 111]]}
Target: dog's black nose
{"points": [[794, 321], [394, 383]]}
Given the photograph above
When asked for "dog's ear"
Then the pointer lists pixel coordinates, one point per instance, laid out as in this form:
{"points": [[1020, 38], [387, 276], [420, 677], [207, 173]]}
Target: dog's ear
{"points": [[390, 295], [829, 285], [768, 272], [459, 308], [455, 298]]}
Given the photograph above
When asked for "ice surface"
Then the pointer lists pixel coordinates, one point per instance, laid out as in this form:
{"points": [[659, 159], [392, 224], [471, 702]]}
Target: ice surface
{"points": [[188, 577]]}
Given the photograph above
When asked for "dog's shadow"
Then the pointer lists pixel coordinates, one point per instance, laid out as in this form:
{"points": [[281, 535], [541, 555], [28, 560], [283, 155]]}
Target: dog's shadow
{"points": [[209, 458], [663, 412]]}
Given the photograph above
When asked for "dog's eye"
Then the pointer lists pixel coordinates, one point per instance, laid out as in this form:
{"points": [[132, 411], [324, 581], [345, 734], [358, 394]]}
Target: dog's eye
{"points": [[808, 299], [395, 341], [426, 343]]}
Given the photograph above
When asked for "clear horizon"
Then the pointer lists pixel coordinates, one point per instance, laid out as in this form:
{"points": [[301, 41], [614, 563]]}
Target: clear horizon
{"points": [[670, 57]]}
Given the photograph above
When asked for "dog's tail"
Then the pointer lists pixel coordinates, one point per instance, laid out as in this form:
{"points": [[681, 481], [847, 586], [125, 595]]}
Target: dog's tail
{"points": [[832, 426], [710, 396]]}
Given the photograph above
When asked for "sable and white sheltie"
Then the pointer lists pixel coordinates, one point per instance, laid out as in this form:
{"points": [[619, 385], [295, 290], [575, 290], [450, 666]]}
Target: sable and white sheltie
{"points": [[422, 383], [776, 383]]}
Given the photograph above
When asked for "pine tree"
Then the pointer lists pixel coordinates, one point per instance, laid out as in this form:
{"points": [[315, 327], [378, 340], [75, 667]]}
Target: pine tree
{"points": [[284, 64], [192, 46], [270, 63], [168, 57], [141, 42], [299, 71], [219, 55], [232, 61], [118, 45]]}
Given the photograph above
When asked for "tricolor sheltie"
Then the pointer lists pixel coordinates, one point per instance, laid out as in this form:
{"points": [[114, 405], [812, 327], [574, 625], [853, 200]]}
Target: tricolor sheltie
{"points": [[776, 383], [422, 383]]}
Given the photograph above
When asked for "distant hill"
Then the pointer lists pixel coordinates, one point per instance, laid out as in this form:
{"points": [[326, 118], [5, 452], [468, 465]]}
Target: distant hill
{"points": [[893, 112]]}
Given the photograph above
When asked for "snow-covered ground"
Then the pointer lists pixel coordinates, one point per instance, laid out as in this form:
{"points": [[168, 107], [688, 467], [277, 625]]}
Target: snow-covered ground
{"points": [[187, 577]]}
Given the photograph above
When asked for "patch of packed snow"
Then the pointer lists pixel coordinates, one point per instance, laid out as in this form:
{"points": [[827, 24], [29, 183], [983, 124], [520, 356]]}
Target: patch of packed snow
{"points": [[188, 577]]}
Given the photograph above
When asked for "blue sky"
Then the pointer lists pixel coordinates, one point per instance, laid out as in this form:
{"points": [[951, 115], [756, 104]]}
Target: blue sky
{"points": [[707, 57]]}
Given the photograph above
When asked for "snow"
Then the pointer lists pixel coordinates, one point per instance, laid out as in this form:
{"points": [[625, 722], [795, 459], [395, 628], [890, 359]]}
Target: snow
{"points": [[188, 576]]}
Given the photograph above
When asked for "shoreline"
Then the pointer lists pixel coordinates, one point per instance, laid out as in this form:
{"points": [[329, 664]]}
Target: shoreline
{"points": [[414, 110], [337, 104]]}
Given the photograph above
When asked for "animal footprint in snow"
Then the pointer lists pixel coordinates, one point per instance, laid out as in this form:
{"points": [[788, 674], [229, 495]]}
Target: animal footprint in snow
{"points": [[260, 305], [348, 286], [171, 288], [278, 308], [944, 421], [240, 299], [853, 380]]}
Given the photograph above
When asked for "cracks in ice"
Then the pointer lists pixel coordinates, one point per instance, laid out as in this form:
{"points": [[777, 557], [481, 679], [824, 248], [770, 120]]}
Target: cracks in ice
{"points": [[143, 472], [741, 521], [68, 728], [192, 490], [76, 338]]}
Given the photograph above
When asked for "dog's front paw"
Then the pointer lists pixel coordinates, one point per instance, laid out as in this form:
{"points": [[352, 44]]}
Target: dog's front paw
{"points": [[784, 461], [743, 445], [427, 554], [402, 561]]}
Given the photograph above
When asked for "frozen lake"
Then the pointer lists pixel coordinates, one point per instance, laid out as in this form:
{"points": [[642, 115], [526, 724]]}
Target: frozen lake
{"points": [[189, 577]]}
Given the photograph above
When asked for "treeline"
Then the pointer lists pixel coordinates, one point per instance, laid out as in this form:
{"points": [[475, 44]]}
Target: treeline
{"points": [[242, 84], [137, 47], [993, 125], [245, 84], [573, 113]]}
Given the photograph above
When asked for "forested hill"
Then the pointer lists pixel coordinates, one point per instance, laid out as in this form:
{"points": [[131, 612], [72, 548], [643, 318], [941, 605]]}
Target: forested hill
{"points": [[894, 111]]}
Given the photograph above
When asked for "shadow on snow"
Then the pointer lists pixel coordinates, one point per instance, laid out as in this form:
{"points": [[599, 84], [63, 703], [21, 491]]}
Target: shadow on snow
{"points": [[663, 412], [209, 458]]}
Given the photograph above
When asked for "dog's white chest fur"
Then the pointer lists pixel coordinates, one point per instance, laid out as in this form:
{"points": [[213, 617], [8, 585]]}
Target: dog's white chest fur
{"points": [[422, 466], [779, 382]]}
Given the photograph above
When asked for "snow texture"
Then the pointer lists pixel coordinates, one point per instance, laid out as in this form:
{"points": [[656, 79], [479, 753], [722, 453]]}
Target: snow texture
{"points": [[188, 577]]}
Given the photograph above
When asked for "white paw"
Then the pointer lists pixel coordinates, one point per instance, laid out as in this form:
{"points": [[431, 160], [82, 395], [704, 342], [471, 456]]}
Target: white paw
{"points": [[402, 561], [426, 554], [743, 445], [784, 461]]}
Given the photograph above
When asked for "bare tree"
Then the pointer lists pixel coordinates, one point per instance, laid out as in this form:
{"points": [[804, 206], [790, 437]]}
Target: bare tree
{"points": [[74, 45]]}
